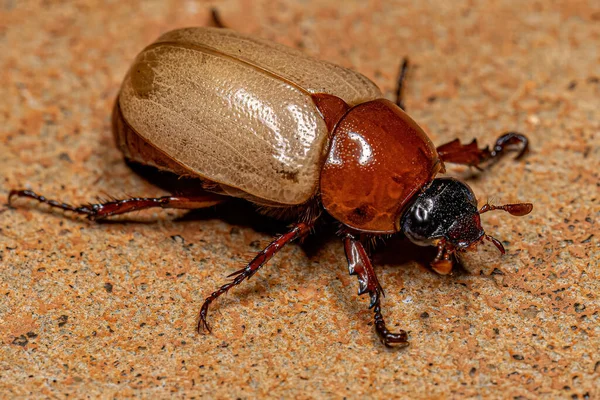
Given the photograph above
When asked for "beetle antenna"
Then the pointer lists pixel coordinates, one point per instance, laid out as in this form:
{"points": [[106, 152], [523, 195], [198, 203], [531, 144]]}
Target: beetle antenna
{"points": [[516, 209], [496, 243]]}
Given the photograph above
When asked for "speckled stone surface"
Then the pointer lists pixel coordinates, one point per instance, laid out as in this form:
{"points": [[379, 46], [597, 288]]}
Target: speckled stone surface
{"points": [[109, 310]]}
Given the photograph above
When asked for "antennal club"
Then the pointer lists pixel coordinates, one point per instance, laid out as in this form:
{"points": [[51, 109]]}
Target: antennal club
{"points": [[517, 209]]}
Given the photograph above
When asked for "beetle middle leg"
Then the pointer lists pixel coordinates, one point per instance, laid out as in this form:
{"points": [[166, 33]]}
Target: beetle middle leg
{"points": [[360, 265], [103, 210], [298, 231], [471, 155]]}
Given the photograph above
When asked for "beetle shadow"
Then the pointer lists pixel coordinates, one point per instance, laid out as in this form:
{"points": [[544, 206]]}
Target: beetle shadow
{"points": [[242, 214], [236, 212], [396, 250], [399, 251]]}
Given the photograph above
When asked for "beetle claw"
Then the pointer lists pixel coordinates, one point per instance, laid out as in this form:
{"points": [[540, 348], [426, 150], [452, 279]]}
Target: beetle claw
{"points": [[202, 323], [399, 339], [203, 326], [510, 139], [390, 339]]}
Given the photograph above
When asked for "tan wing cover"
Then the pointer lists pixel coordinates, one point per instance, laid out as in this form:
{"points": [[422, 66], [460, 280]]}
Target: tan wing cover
{"points": [[237, 110]]}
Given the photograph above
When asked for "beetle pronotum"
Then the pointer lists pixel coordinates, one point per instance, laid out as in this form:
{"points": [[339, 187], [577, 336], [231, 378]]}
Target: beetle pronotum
{"points": [[260, 121]]}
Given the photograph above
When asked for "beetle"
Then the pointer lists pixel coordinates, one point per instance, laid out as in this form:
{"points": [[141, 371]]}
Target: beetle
{"points": [[304, 140]]}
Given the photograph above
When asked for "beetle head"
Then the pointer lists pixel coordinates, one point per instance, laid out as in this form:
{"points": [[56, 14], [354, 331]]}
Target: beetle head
{"points": [[446, 209], [446, 214]]}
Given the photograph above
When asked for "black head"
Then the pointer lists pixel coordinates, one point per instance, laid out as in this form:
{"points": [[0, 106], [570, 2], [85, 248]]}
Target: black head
{"points": [[446, 209]]}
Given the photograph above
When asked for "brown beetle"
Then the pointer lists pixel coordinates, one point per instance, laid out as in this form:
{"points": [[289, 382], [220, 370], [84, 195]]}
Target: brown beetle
{"points": [[300, 138]]}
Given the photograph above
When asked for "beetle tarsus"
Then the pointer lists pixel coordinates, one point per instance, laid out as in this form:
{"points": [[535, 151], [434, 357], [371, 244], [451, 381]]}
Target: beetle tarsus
{"points": [[399, 339], [510, 139], [298, 231], [360, 265], [85, 209]]}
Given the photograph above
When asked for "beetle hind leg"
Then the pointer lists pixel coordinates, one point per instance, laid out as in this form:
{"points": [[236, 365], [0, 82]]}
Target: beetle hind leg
{"points": [[360, 265], [103, 210], [298, 231], [471, 155]]}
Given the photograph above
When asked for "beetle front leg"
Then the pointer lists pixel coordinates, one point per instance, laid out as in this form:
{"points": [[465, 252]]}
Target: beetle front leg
{"points": [[442, 264], [103, 210], [471, 155], [360, 265], [298, 231]]}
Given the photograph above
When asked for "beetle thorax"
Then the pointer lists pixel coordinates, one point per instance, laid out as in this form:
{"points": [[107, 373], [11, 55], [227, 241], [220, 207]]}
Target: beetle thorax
{"points": [[378, 160]]}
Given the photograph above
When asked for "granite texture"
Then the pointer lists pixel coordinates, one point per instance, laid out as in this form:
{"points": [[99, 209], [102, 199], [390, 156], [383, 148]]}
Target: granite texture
{"points": [[109, 309]]}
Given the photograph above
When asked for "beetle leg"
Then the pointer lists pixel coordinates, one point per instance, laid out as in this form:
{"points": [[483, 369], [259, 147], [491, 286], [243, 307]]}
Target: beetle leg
{"points": [[216, 18], [442, 264], [400, 84], [110, 208], [298, 231], [471, 155], [360, 265]]}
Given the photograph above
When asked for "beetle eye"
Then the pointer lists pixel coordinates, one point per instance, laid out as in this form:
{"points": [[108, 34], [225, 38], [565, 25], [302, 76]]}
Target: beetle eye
{"points": [[421, 214], [423, 210]]}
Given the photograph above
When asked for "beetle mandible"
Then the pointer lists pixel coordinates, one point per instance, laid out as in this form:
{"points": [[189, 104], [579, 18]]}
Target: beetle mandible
{"points": [[300, 138]]}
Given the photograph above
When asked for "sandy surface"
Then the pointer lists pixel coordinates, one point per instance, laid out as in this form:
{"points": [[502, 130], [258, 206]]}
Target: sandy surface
{"points": [[109, 309]]}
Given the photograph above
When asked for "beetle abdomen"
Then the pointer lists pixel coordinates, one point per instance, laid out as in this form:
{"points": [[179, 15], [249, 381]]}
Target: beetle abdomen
{"points": [[229, 119]]}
